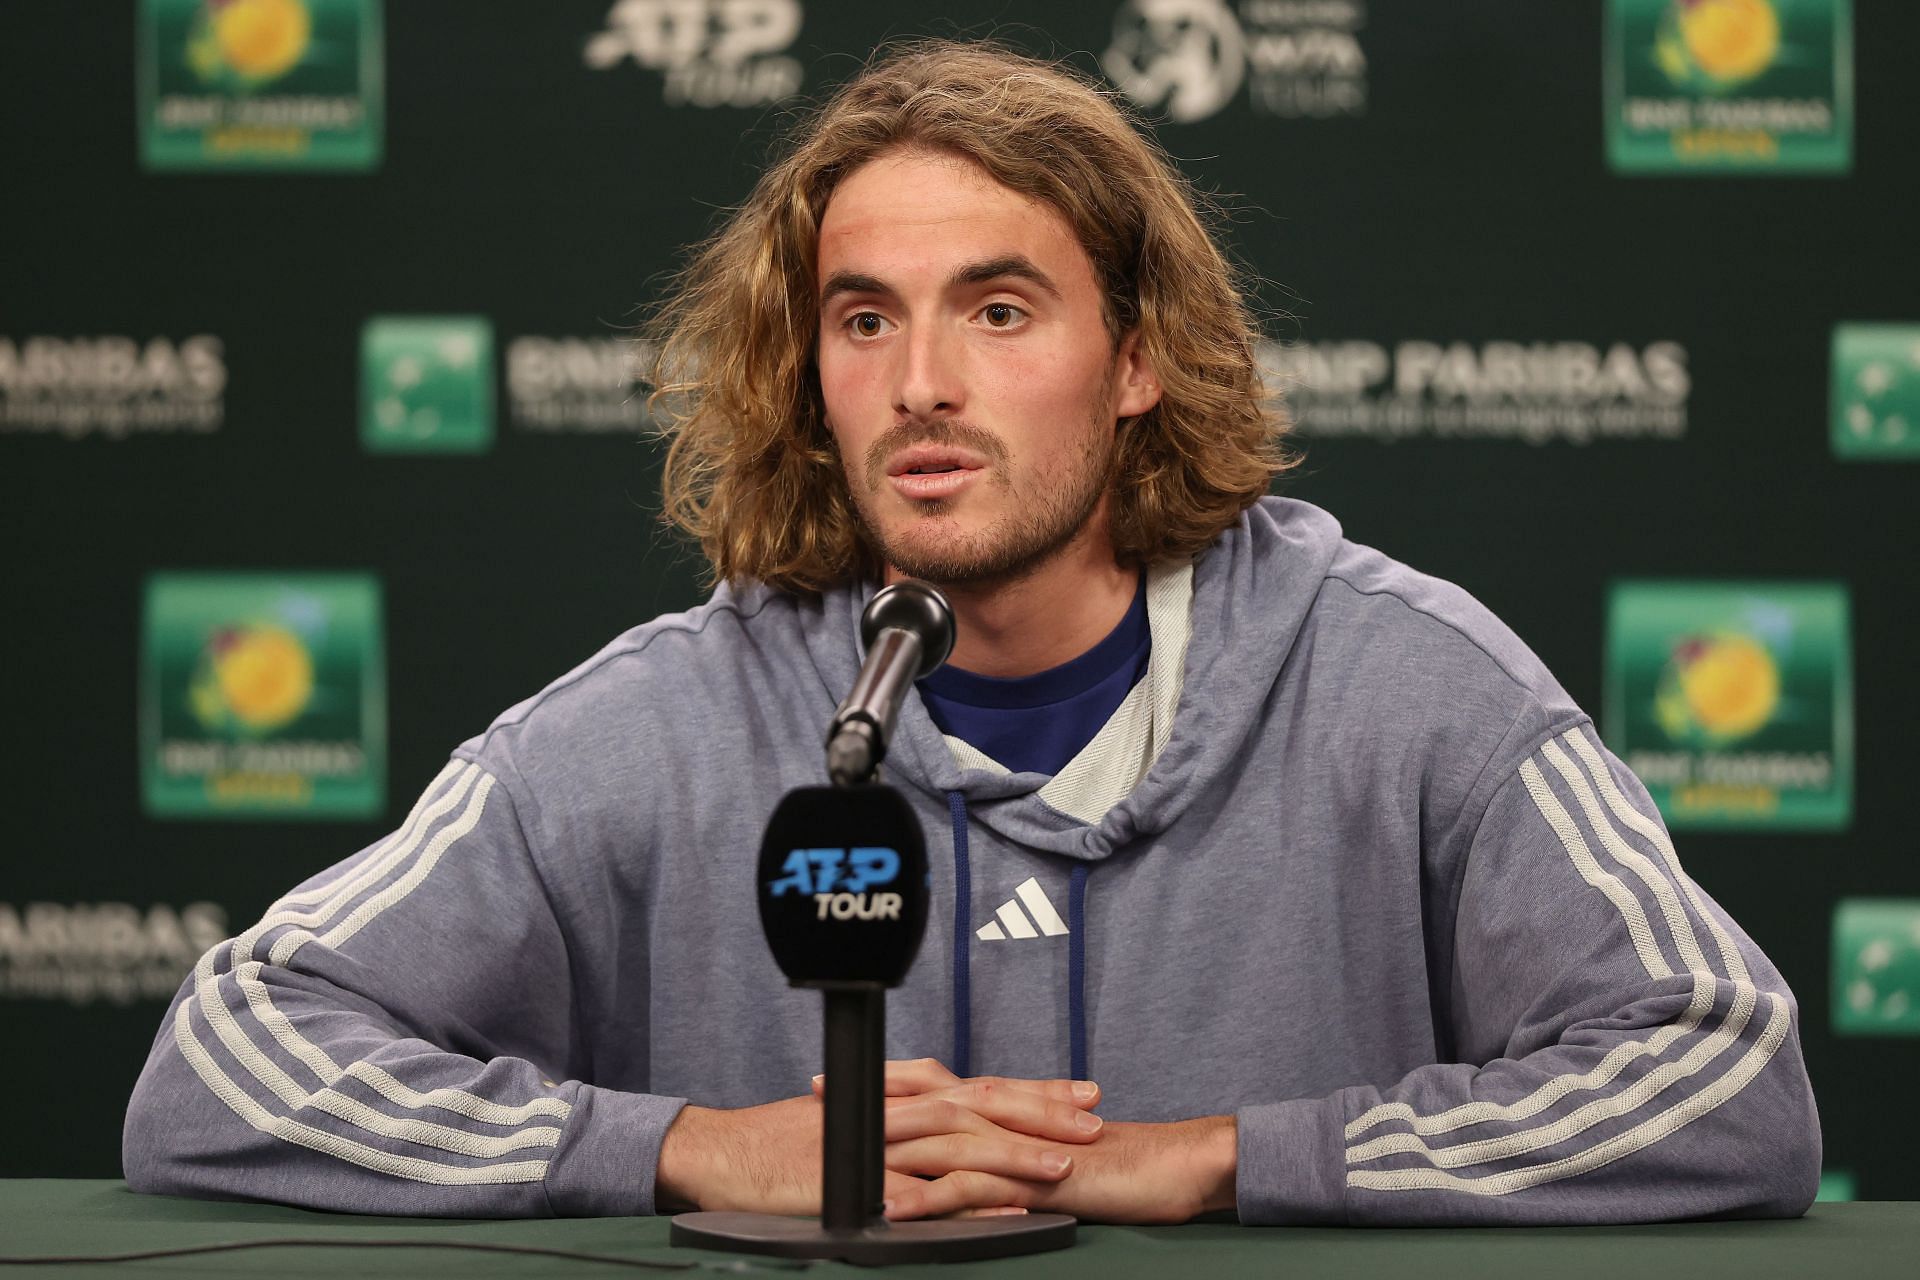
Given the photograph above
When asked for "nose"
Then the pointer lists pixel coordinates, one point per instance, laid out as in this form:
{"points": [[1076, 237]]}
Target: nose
{"points": [[928, 380]]}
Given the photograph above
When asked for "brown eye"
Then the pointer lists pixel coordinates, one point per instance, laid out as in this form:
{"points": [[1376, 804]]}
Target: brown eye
{"points": [[866, 324], [999, 314]]}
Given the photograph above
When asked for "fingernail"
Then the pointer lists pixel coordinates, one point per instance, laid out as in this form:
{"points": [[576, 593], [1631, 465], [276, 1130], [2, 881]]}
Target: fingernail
{"points": [[1054, 1162], [817, 1080], [1085, 1091], [886, 1207], [1088, 1122], [1004, 1211]]}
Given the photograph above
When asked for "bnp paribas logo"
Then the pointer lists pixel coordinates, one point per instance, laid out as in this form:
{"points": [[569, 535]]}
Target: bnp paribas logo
{"points": [[1732, 85], [263, 694], [1733, 702], [1876, 967], [426, 384], [1876, 391], [280, 84]]}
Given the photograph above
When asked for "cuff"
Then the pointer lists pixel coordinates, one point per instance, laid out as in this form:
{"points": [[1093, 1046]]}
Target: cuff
{"points": [[1292, 1167], [605, 1164]]}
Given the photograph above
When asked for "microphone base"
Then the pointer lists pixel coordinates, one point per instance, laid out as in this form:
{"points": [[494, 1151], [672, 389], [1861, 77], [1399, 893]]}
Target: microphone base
{"points": [[879, 1244]]}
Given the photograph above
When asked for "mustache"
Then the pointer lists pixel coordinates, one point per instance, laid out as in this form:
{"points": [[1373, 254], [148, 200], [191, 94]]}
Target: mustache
{"points": [[914, 431]]}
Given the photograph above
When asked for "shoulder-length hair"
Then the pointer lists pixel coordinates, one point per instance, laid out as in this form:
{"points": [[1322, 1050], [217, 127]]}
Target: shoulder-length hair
{"points": [[752, 471]]}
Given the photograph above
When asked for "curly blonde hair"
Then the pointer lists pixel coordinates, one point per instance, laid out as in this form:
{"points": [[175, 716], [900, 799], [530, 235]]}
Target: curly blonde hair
{"points": [[752, 471]]}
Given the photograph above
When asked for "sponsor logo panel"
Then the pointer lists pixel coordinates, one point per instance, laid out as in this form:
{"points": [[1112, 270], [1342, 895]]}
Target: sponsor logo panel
{"points": [[708, 53], [263, 694], [1534, 391], [263, 84], [1733, 702], [111, 385], [577, 385], [1729, 85], [1876, 967], [84, 953], [426, 384], [1191, 58], [1876, 391]]}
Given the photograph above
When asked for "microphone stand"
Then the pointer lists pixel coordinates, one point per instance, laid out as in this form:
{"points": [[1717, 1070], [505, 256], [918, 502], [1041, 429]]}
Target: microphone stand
{"points": [[852, 1175], [824, 848]]}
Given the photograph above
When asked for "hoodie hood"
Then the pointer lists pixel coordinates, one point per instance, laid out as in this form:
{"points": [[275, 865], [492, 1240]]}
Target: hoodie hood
{"points": [[1252, 591]]}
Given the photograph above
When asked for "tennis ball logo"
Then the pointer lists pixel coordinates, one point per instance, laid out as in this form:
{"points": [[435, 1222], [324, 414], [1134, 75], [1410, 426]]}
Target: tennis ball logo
{"points": [[251, 41], [1717, 688], [255, 677], [1717, 44]]}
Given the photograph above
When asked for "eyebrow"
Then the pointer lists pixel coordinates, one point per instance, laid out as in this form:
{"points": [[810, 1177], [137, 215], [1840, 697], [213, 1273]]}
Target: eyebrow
{"points": [[1009, 265]]}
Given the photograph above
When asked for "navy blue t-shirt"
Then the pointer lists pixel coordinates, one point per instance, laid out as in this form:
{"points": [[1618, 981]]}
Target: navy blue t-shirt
{"points": [[1035, 724]]}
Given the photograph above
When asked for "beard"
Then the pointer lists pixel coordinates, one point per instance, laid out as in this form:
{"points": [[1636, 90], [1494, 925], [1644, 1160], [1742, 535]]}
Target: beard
{"points": [[1044, 513]]}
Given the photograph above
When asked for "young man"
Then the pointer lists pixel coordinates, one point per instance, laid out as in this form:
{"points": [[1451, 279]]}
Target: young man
{"points": [[1300, 855]]}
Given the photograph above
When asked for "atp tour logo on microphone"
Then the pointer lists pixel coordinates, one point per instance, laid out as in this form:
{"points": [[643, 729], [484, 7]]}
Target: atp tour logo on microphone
{"points": [[709, 53], [1733, 702], [838, 880], [263, 84], [262, 694], [1757, 86], [1296, 58]]}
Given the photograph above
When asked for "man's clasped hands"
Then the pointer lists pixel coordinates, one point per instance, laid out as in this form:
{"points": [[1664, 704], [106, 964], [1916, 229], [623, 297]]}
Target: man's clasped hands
{"points": [[959, 1147]]}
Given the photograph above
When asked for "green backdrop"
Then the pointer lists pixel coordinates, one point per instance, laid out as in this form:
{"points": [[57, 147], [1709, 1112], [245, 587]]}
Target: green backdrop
{"points": [[320, 305]]}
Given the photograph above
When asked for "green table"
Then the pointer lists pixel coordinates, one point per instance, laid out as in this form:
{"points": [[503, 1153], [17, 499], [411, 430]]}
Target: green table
{"points": [[47, 1216]]}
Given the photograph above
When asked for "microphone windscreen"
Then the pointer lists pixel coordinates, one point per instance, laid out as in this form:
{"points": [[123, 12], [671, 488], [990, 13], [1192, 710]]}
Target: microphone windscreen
{"points": [[914, 607], [843, 885]]}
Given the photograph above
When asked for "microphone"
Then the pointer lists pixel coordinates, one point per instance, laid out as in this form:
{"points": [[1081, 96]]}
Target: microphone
{"points": [[844, 892], [908, 630]]}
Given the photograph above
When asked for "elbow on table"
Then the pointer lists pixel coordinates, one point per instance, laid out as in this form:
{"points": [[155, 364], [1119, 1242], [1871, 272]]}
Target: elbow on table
{"points": [[1778, 1154], [147, 1161], [168, 1139]]}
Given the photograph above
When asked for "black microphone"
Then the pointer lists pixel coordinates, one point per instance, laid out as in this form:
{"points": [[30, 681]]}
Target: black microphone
{"points": [[908, 630], [844, 892]]}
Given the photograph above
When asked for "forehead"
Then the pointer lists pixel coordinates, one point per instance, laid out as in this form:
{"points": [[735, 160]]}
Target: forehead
{"points": [[913, 212]]}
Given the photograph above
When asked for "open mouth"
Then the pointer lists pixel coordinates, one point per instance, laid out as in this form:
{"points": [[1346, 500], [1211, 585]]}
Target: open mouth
{"points": [[930, 474], [933, 460]]}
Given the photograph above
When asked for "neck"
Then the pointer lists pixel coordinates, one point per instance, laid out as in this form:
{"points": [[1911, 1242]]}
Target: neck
{"points": [[1050, 614]]}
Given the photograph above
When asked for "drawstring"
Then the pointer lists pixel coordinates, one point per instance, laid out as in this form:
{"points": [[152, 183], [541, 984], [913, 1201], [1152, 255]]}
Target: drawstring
{"points": [[962, 940], [962, 1064], [1077, 971]]}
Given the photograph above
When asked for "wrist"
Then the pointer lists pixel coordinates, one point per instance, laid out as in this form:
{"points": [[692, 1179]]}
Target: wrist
{"points": [[680, 1181], [1215, 1157]]}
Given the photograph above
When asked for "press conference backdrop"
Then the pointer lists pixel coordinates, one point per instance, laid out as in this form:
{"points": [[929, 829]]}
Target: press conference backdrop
{"points": [[319, 443]]}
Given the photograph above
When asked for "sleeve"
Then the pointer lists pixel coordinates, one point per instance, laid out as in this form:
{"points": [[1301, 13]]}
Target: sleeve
{"points": [[1626, 1053], [393, 1037]]}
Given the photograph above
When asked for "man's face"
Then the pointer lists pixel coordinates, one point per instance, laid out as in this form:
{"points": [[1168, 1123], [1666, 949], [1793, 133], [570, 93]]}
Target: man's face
{"points": [[969, 378]]}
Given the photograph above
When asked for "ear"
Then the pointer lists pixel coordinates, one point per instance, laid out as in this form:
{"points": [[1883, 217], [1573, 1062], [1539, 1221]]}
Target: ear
{"points": [[1136, 388]]}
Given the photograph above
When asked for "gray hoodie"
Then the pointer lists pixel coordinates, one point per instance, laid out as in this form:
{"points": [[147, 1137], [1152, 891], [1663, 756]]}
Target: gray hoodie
{"points": [[1382, 895]]}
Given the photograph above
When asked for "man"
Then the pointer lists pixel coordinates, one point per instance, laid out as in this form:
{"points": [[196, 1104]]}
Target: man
{"points": [[1301, 856]]}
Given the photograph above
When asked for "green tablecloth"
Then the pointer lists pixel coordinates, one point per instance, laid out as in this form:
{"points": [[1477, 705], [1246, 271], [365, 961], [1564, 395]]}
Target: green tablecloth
{"points": [[47, 1216]]}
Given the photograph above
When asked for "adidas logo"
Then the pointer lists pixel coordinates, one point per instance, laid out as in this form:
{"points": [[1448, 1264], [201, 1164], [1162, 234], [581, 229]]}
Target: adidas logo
{"points": [[1015, 920]]}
